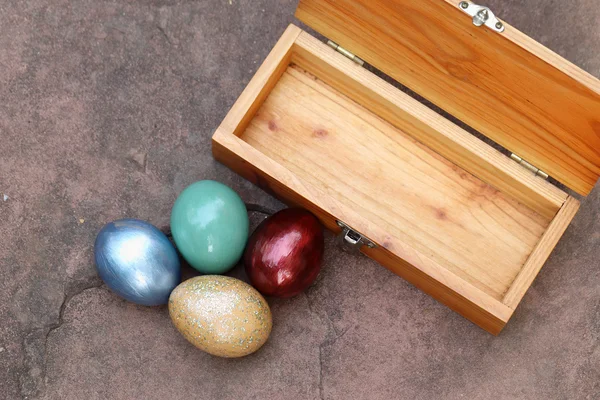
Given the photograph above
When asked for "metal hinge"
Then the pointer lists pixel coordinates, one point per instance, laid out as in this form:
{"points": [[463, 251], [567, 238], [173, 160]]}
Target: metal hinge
{"points": [[345, 53], [530, 167], [351, 240], [482, 16]]}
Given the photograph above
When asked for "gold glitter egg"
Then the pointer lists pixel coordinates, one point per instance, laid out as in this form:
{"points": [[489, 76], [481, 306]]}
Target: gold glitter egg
{"points": [[220, 315]]}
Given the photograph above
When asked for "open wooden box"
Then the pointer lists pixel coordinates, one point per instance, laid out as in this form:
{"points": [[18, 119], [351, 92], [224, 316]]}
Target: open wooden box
{"points": [[434, 204]]}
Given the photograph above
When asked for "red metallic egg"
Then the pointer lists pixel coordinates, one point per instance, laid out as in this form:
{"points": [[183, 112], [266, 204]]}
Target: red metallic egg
{"points": [[284, 255]]}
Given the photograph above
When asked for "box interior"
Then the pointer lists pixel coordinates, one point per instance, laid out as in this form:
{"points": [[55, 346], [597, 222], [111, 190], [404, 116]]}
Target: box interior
{"points": [[333, 143]]}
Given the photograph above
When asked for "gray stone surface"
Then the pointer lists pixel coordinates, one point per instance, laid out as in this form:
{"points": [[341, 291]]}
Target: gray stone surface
{"points": [[106, 111]]}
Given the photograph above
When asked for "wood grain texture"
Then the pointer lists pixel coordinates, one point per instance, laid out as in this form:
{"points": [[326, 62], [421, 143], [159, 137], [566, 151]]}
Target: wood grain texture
{"points": [[331, 143], [540, 254], [427, 126], [507, 86], [462, 297]]}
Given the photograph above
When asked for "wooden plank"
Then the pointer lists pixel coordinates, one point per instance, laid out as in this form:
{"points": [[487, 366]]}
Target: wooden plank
{"points": [[396, 183], [489, 317], [261, 84], [462, 297], [541, 253], [427, 126], [507, 86]]}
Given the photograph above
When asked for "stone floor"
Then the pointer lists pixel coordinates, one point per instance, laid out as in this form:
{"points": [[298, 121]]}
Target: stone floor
{"points": [[106, 111]]}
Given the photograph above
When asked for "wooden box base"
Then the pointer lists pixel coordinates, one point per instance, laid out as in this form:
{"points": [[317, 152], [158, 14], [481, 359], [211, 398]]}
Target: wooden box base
{"points": [[448, 213]]}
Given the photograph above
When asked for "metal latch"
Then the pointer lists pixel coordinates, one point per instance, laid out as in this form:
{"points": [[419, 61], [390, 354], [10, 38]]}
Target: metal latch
{"points": [[351, 240], [482, 16], [531, 167], [345, 53]]}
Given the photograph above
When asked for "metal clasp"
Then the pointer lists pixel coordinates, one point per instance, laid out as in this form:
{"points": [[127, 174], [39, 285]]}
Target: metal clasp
{"points": [[482, 16], [352, 241]]}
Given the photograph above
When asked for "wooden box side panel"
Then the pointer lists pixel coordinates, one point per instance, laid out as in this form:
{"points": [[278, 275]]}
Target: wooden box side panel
{"points": [[460, 296], [491, 321], [540, 253], [262, 83]]}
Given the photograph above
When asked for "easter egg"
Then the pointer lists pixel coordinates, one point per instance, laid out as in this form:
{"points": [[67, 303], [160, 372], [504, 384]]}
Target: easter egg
{"points": [[284, 254], [220, 315], [137, 261], [209, 223]]}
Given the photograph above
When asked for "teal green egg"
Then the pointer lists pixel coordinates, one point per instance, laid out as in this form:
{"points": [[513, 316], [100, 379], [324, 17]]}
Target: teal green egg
{"points": [[209, 223]]}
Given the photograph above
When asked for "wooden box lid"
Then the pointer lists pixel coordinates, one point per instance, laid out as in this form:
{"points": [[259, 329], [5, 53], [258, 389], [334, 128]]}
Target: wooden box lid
{"points": [[507, 86]]}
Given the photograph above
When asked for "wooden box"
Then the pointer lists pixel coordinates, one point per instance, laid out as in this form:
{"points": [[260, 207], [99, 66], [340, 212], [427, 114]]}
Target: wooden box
{"points": [[449, 213]]}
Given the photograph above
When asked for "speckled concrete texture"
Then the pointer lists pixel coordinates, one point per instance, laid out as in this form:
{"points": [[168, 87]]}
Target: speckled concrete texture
{"points": [[106, 111]]}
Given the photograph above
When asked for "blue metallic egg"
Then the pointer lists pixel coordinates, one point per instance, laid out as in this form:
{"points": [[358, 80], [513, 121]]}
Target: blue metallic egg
{"points": [[137, 261]]}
